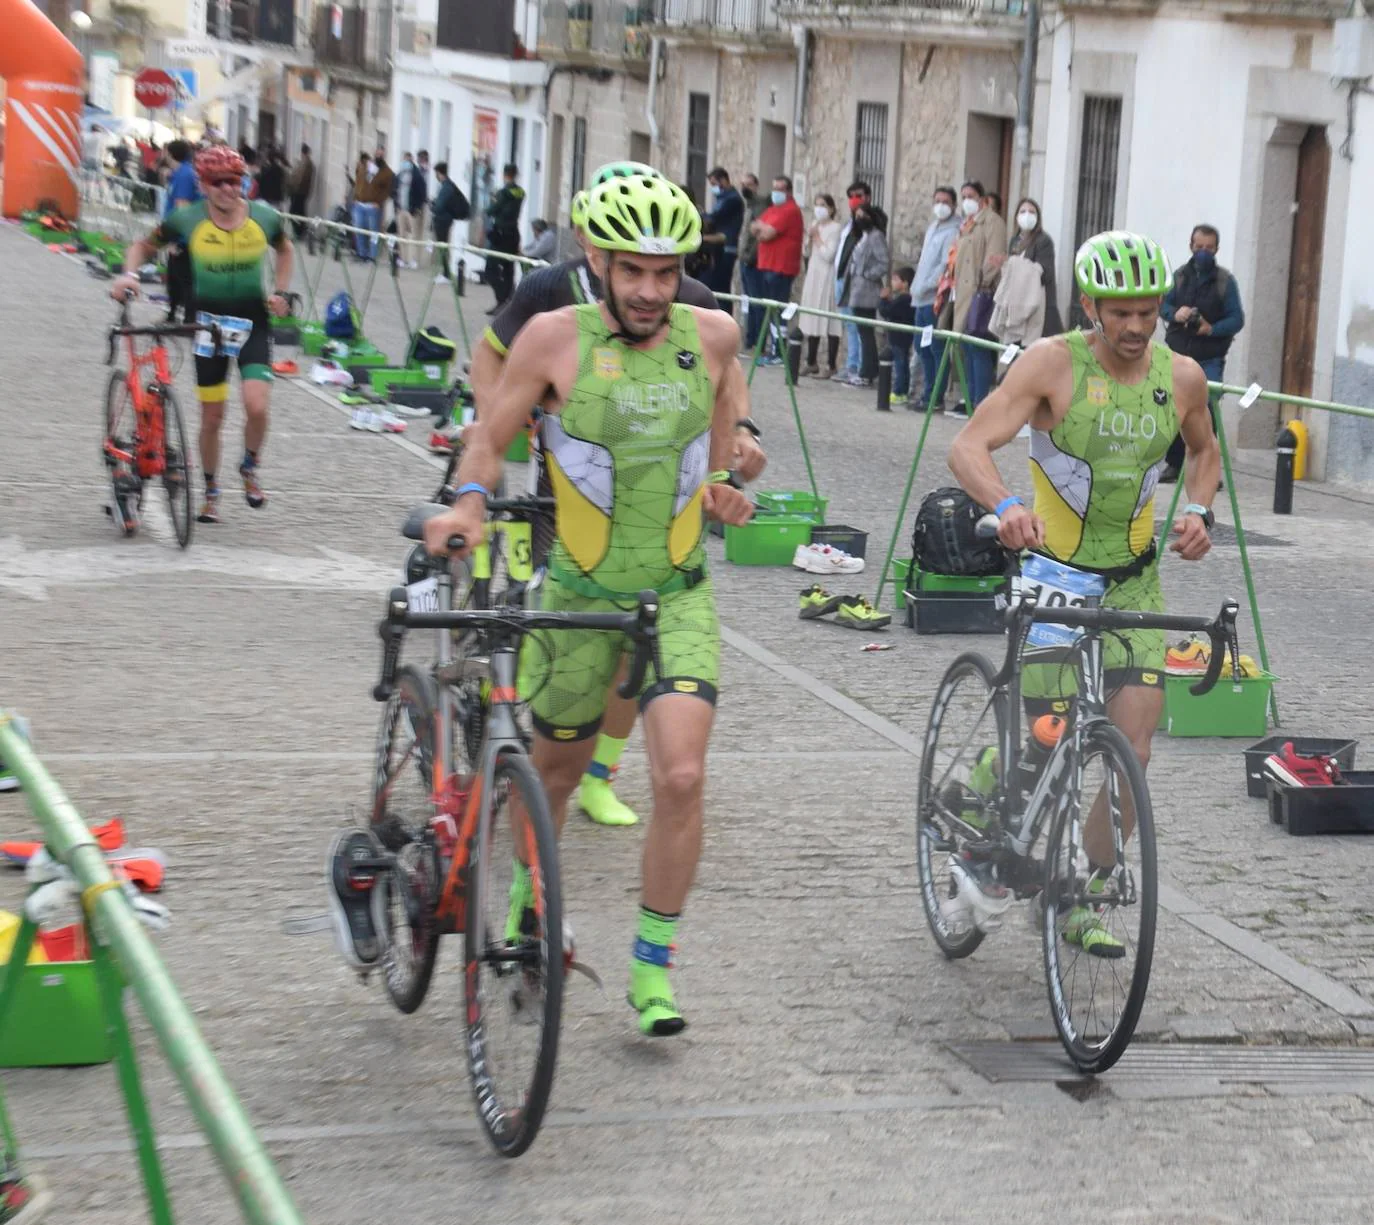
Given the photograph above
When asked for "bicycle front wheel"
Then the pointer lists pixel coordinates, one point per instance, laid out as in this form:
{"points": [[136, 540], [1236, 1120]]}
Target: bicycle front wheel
{"points": [[176, 467], [956, 790], [1099, 929], [121, 435], [514, 959]]}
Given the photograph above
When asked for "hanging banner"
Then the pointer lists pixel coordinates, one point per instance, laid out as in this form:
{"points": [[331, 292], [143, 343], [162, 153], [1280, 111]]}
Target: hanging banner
{"points": [[486, 139]]}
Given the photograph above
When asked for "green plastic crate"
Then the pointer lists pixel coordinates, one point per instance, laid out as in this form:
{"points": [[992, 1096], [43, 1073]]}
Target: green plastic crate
{"points": [[431, 374], [1233, 708], [312, 338], [793, 502], [363, 352], [519, 451], [55, 1019], [925, 580], [767, 540]]}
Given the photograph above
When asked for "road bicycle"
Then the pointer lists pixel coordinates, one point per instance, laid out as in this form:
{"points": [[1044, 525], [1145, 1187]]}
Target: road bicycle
{"points": [[458, 816], [145, 434], [982, 806]]}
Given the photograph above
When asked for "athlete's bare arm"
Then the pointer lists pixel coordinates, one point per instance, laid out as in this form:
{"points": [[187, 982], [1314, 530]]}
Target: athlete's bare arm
{"points": [[1202, 467], [484, 374], [140, 251], [720, 343], [286, 262], [1027, 395], [538, 370]]}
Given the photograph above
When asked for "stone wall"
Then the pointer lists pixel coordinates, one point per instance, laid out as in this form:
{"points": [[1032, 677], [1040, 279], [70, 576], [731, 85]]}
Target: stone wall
{"points": [[613, 110], [827, 158], [929, 138]]}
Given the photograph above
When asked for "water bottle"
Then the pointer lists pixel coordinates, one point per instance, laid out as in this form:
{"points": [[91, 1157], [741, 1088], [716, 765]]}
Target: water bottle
{"points": [[1045, 734]]}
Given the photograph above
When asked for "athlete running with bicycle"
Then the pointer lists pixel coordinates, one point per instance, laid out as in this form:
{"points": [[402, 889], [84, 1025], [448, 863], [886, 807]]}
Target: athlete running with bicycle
{"points": [[228, 238], [1103, 407], [572, 283], [641, 397]]}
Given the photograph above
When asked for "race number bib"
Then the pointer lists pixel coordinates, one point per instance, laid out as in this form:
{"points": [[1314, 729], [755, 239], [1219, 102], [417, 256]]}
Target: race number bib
{"points": [[233, 335], [423, 597], [1055, 585]]}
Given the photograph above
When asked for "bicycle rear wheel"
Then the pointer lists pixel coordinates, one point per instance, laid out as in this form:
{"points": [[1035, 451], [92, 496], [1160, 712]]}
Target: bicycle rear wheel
{"points": [[1099, 930], [176, 471], [121, 434], [958, 780], [402, 812], [513, 976]]}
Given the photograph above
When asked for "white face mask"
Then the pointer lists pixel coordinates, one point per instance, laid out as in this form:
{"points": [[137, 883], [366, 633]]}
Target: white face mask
{"points": [[943, 212], [1027, 220], [822, 213], [969, 206]]}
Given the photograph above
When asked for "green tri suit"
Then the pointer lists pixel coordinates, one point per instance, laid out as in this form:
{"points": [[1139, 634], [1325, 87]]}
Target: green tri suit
{"points": [[627, 457]]}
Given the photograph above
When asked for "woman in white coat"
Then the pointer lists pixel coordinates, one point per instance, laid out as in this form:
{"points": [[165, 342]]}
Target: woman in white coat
{"points": [[818, 290]]}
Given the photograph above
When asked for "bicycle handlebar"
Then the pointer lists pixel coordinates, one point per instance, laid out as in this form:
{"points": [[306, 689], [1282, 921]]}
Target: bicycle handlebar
{"points": [[124, 328]]}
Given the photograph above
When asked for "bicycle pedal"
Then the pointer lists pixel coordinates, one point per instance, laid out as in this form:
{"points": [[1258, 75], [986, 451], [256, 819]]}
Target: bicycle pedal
{"points": [[583, 968]]}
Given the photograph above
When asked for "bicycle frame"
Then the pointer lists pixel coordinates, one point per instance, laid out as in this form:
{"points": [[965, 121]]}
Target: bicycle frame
{"points": [[147, 459]]}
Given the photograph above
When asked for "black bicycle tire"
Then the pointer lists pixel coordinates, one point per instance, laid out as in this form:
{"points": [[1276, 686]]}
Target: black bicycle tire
{"points": [[422, 686], [512, 1141], [118, 383], [1095, 1060], [953, 949], [172, 418]]}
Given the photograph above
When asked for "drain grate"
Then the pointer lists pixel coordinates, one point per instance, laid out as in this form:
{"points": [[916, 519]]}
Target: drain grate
{"points": [[1340, 1069]]}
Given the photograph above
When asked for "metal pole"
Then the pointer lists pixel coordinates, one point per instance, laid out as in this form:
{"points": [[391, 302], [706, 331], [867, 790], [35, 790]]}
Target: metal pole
{"points": [[791, 382], [884, 380], [261, 1195], [1283, 473], [758, 344]]}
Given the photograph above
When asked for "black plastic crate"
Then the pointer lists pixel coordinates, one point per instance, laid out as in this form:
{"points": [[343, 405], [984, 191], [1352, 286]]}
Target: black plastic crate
{"points": [[840, 536], [1347, 809], [954, 612], [1342, 750]]}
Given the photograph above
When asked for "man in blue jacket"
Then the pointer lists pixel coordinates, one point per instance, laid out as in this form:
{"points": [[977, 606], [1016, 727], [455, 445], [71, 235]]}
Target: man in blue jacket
{"points": [[1204, 314], [721, 231]]}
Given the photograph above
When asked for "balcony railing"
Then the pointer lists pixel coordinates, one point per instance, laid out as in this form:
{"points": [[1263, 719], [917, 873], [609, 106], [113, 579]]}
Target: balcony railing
{"points": [[607, 30], [736, 16], [252, 21], [896, 8], [483, 26]]}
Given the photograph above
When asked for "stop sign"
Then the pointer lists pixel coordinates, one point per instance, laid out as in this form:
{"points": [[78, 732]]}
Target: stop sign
{"points": [[154, 88]]}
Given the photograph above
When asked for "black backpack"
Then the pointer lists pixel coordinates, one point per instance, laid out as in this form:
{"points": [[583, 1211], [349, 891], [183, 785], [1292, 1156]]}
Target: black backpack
{"points": [[944, 540], [431, 345]]}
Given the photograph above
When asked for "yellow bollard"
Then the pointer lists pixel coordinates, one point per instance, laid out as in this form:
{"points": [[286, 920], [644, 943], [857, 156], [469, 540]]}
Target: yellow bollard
{"points": [[1301, 449]]}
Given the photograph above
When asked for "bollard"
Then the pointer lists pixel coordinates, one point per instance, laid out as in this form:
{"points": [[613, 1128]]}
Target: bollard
{"points": [[884, 380], [1283, 473], [460, 281], [794, 350]]}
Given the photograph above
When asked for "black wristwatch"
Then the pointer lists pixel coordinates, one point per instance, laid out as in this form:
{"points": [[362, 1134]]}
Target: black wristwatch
{"points": [[748, 423], [1202, 512]]}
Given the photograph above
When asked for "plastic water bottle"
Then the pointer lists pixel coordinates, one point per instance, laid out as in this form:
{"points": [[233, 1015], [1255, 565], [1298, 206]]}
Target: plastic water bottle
{"points": [[1045, 734]]}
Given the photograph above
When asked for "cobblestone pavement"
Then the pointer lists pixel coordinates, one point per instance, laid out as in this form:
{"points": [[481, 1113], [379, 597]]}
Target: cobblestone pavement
{"points": [[218, 701]]}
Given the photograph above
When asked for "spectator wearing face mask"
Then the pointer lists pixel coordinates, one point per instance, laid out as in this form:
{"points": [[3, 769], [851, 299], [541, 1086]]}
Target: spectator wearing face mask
{"points": [[722, 223], [818, 290], [857, 194], [864, 283], [780, 231], [982, 234], [754, 204], [940, 236], [1204, 314], [1025, 307]]}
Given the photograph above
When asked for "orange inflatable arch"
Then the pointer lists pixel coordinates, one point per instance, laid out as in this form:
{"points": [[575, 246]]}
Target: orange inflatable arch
{"points": [[44, 93]]}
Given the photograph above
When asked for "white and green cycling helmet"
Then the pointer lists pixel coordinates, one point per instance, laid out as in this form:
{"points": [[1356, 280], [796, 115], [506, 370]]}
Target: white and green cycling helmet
{"points": [[1119, 264], [644, 215], [621, 170]]}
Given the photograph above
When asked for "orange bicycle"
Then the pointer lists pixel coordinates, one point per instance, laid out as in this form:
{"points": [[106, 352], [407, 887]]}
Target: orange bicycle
{"points": [[145, 436]]}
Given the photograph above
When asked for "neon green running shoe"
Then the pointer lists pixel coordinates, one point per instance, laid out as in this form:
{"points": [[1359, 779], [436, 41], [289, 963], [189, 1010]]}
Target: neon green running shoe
{"points": [[816, 601], [520, 920], [1083, 927], [857, 613], [982, 784], [595, 797]]}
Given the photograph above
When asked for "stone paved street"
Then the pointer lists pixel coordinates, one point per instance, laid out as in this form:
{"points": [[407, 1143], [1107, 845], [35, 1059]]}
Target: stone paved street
{"points": [[219, 701]]}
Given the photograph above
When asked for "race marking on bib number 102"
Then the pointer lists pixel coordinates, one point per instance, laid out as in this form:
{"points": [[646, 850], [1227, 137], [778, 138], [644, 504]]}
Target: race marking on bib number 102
{"points": [[423, 597]]}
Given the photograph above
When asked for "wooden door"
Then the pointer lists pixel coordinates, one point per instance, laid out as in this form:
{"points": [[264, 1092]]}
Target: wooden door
{"points": [[1305, 268]]}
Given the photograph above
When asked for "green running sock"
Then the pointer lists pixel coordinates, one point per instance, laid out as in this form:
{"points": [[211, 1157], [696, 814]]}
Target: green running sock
{"points": [[608, 753], [650, 993]]}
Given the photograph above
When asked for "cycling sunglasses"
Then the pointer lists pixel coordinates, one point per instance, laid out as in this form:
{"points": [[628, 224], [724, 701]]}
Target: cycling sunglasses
{"points": [[236, 181]]}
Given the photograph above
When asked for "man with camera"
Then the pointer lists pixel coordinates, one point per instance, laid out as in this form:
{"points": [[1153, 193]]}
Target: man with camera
{"points": [[1204, 314]]}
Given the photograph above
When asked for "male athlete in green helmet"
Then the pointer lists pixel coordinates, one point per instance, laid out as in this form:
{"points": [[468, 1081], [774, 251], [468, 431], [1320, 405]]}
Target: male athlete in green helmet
{"points": [[548, 289], [1103, 407], [641, 396]]}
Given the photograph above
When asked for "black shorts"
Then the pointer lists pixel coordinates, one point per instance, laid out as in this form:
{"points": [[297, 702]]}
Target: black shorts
{"points": [[1113, 679], [254, 360]]}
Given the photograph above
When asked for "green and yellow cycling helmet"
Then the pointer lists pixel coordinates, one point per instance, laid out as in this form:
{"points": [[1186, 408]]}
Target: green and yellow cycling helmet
{"points": [[621, 170], [1119, 264], [577, 214], [643, 214]]}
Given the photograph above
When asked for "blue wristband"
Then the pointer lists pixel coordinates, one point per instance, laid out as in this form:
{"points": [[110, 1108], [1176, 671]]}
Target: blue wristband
{"points": [[473, 487], [1006, 502]]}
